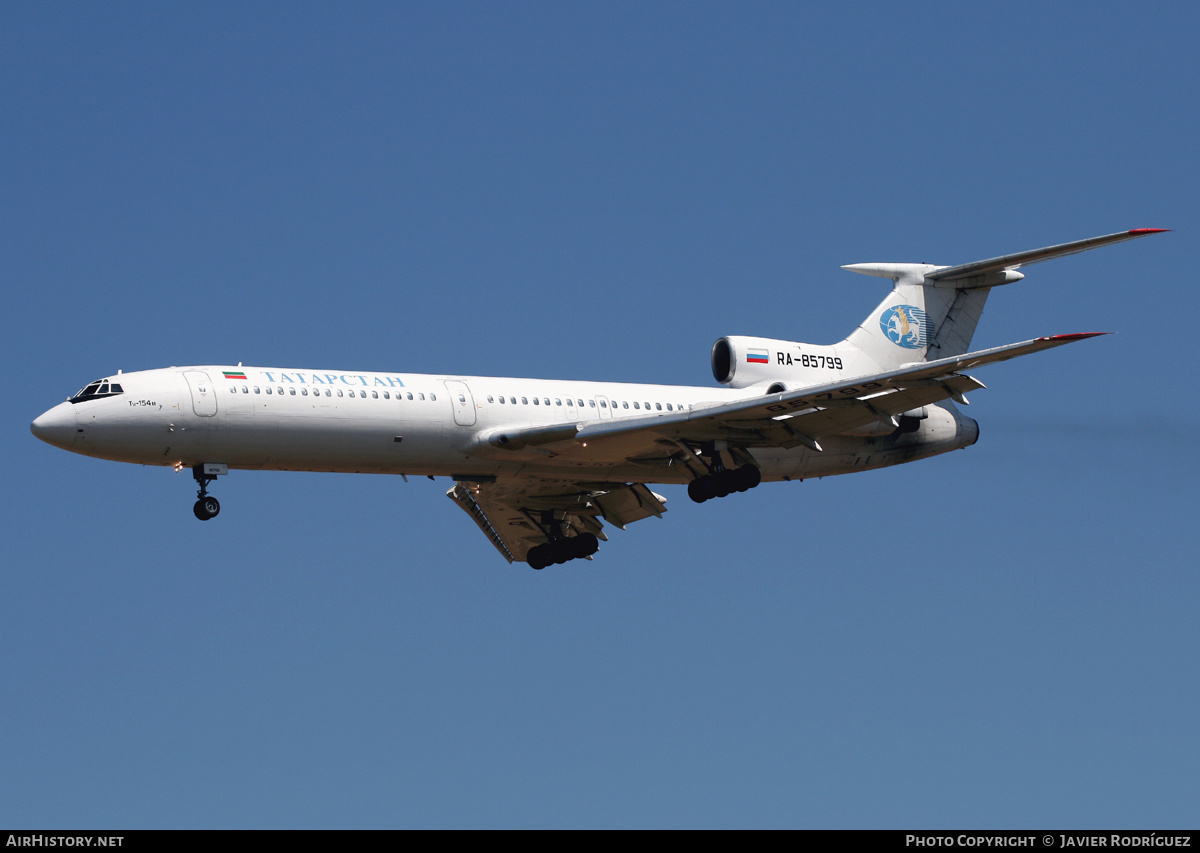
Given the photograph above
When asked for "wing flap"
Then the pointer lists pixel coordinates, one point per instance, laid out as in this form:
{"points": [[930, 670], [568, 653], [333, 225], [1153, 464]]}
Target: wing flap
{"points": [[622, 507], [515, 514]]}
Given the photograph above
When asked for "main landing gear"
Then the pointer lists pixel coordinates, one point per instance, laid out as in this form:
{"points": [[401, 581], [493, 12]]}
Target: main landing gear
{"points": [[721, 481], [560, 548], [206, 505]]}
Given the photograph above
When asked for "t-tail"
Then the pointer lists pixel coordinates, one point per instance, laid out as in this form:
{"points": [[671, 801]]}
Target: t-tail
{"points": [[930, 314], [932, 311]]}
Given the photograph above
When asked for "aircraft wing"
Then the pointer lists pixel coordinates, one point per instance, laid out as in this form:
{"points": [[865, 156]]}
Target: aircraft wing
{"points": [[789, 419], [515, 514], [518, 513]]}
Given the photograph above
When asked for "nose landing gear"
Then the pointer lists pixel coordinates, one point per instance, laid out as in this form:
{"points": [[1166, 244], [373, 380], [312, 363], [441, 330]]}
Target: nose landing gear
{"points": [[206, 508], [206, 505]]}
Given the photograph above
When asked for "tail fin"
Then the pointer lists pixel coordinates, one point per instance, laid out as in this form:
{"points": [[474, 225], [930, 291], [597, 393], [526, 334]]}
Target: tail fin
{"points": [[932, 311]]}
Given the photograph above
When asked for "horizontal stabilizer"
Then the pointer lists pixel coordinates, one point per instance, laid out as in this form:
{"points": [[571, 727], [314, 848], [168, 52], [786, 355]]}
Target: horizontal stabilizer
{"points": [[1033, 256]]}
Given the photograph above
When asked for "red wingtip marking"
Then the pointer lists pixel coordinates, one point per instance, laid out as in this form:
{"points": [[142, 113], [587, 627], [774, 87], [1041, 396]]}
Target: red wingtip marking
{"points": [[1078, 336], [1148, 230]]}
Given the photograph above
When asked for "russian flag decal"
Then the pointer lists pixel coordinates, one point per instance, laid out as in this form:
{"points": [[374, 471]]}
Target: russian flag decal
{"points": [[757, 356]]}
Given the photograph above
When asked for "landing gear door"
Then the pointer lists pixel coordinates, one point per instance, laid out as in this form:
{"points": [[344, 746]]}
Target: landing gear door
{"points": [[463, 403], [204, 396]]}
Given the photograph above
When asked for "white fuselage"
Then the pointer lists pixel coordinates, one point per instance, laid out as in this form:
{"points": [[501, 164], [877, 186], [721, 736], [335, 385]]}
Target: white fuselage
{"points": [[539, 464], [394, 423]]}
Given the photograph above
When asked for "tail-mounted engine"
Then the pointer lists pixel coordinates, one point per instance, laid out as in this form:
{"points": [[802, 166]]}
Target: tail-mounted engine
{"points": [[740, 362]]}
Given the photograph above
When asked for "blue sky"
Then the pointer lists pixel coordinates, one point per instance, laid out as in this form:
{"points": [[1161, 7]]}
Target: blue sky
{"points": [[1000, 637]]}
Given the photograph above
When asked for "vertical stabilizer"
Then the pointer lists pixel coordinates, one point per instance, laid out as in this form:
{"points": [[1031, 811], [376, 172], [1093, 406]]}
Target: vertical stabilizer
{"points": [[920, 319], [932, 311]]}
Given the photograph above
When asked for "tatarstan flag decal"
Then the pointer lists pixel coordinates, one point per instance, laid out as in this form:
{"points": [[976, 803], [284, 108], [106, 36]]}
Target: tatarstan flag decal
{"points": [[233, 374]]}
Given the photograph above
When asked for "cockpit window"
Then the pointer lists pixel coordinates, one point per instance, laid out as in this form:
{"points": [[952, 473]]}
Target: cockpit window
{"points": [[95, 390]]}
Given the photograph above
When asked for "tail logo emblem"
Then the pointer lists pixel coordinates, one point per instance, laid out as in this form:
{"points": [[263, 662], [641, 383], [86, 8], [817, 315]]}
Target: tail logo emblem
{"points": [[906, 326]]}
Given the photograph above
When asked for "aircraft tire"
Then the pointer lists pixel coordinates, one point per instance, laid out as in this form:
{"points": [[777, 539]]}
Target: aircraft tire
{"points": [[537, 557], [748, 476], [703, 488], [584, 545], [206, 508], [725, 484]]}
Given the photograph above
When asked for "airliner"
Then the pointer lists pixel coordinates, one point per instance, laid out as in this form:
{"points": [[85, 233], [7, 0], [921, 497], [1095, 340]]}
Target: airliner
{"points": [[539, 464]]}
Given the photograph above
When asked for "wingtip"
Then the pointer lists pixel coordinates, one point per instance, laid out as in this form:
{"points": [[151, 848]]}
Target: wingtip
{"points": [[1140, 231], [1077, 336]]}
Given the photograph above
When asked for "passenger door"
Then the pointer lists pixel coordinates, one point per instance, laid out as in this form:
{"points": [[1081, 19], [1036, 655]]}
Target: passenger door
{"points": [[463, 403]]}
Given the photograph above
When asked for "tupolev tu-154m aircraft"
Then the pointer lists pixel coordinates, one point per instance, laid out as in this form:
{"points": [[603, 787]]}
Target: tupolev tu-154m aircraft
{"points": [[538, 463]]}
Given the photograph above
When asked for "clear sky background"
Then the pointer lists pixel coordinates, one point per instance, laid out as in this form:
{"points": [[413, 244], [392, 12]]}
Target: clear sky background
{"points": [[1000, 637]]}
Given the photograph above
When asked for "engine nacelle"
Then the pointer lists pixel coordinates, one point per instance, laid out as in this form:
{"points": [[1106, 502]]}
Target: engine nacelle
{"points": [[740, 362]]}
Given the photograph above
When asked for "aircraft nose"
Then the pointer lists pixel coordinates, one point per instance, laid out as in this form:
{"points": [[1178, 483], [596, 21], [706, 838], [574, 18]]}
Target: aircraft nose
{"points": [[57, 426]]}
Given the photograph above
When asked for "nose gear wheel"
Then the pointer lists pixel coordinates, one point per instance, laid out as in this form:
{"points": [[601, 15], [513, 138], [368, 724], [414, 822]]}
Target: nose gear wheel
{"points": [[206, 506]]}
